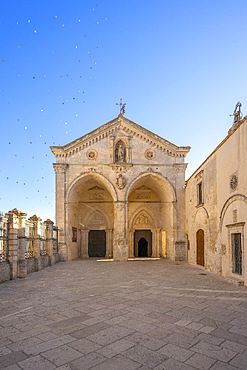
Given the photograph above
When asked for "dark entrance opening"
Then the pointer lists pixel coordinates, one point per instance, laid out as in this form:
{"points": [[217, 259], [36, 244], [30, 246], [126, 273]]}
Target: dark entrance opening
{"points": [[200, 247], [237, 253], [97, 243], [143, 243], [142, 248]]}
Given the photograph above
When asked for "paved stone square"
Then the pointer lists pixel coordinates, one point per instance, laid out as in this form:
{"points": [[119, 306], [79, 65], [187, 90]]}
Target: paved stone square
{"points": [[146, 314]]}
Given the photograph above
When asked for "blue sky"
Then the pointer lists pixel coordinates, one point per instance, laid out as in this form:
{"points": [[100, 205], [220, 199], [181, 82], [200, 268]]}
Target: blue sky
{"points": [[180, 67]]}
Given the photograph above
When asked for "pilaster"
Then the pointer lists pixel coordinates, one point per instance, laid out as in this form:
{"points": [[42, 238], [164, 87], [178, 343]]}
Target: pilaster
{"points": [[120, 244], [60, 170]]}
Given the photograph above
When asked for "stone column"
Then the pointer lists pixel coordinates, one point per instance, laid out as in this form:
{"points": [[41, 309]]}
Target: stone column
{"points": [[36, 242], [108, 243], [84, 243], [180, 239], [163, 244], [131, 243], [120, 245], [158, 252], [60, 169], [13, 244], [48, 225], [155, 242], [22, 247]]}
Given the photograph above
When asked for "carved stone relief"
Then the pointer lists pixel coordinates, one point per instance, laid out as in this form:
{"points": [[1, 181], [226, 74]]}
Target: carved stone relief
{"points": [[143, 193], [149, 154], [92, 154], [120, 182], [96, 193]]}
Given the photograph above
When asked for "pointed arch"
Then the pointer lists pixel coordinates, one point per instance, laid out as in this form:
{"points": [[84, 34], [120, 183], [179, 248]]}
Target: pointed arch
{"points": [[157, 182], [143, 218], [98, 178]]}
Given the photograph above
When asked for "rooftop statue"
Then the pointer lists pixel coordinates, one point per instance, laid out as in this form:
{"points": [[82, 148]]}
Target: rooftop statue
{"points": [[237, 114]]}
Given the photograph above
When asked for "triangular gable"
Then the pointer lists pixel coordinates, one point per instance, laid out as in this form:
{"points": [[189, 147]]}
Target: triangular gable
{"points": [[128, 127]]}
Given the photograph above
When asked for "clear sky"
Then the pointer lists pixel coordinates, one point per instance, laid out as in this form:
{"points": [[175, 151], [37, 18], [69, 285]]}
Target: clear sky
{"points": [[180, 67]]}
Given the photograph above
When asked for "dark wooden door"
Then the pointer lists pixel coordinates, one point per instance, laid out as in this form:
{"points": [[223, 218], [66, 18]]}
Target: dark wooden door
{"points": [[97, 243], [200, 247]]}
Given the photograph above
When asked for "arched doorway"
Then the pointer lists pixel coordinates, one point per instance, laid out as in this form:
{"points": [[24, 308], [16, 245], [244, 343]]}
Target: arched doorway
{"points": [[142, 248], [200, 247], [151, 200], [90, 211], [143, 243]]}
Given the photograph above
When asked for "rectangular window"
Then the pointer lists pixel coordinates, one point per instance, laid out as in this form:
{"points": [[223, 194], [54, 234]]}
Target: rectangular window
{"points": [[199, 194]]}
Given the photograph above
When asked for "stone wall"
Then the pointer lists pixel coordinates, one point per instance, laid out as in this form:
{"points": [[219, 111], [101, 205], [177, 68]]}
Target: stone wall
{"points": [[216, 207]]}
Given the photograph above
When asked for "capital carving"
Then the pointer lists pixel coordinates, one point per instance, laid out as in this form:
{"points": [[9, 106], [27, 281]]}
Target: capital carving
{"points": [[179, 167], [60, 167]]}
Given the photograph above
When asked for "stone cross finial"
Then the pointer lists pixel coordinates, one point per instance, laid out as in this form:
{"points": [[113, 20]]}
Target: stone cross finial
{"points": [[122, 107]]}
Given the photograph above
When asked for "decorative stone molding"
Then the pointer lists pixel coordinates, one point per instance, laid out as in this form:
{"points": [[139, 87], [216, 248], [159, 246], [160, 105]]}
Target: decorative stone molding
{"points": [[120, 182], [233, 182], [199, 175], [120, 168], [96, 193], [179, 167], [112, 128], [92, 154], [60, 167], [149, 154], [143, 193]]}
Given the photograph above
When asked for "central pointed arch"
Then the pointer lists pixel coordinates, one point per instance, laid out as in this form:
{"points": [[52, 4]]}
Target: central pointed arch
{"points": [[151, 213]]}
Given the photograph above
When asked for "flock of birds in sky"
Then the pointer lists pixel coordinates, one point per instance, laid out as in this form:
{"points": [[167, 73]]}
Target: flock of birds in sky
{"points": [[63, 85]]}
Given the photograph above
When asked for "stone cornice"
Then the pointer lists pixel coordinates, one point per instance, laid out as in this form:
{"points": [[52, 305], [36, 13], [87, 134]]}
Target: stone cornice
{"points": [[126, 127]]}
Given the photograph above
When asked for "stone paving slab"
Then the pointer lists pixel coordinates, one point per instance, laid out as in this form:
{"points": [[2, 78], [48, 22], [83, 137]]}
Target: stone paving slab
{"points": [[103, 315]]}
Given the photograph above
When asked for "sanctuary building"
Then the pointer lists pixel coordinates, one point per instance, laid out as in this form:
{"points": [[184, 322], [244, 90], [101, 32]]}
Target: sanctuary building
{"points": [[121, 194]]}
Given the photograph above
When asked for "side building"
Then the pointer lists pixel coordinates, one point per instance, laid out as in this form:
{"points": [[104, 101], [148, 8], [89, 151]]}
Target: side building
{"points": [[216, 208]]}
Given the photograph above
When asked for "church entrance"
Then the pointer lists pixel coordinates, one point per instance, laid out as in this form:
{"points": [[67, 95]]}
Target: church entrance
{"points": [[143, 243], [97, 243]]}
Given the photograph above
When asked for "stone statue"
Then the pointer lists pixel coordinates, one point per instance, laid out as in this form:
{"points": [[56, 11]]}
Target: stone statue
{"points": [[237, 114], [120, 153]]}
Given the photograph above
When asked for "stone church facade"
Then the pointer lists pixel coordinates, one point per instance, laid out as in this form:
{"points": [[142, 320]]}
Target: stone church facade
{"points": [[120, 194]]}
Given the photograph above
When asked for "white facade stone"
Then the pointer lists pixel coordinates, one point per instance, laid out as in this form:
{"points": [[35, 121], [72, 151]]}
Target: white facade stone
{"points": [[123, 185], [221, 214]]}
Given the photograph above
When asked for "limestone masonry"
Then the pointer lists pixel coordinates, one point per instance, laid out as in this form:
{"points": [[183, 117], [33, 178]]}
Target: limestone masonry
{"points": [[121, 194]]}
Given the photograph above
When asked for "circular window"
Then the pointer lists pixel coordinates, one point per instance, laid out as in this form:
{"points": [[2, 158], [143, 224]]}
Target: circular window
{"points": [[149, 154], [234, 182], [92, 154]]}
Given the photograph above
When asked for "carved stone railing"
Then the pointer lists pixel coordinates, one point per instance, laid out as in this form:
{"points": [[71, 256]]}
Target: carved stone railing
{"points": [[26, 245]]}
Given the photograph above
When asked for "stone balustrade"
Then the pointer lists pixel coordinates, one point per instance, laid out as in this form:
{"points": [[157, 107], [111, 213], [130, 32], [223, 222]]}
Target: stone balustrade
{"points": [[26, 244]]}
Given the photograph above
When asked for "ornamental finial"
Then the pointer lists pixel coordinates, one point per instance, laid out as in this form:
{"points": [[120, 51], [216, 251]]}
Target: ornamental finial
{"points": [[122, 107]]}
